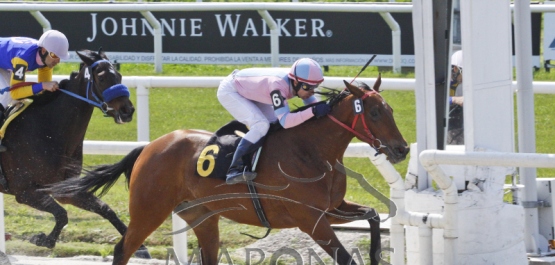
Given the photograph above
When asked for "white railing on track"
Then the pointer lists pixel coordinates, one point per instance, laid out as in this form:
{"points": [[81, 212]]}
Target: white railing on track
{"points": [[143, 83]]}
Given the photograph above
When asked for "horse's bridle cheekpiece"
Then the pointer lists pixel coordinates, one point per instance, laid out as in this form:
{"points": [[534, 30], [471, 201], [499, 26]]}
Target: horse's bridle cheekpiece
{"points": [[369, 137], [109, 94]]}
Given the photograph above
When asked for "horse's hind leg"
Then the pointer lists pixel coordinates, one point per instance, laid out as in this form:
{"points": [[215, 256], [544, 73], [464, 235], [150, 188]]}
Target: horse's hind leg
{"points": [[350, 211], [148, 209], [206, 231], [140, 227], [91, 203], [43, 202]]}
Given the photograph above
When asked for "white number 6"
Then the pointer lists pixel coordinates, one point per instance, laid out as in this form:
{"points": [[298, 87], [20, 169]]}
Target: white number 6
{"points": [[357, 105]]}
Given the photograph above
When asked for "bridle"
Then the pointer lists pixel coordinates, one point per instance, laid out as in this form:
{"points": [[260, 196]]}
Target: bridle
{"points": [[107, 95], [369, 137]]}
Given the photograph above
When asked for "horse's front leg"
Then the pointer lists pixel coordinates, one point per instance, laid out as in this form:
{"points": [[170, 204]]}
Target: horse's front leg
{"points": [[206, 230], [43, 202], [349, 211], [320, 230]]}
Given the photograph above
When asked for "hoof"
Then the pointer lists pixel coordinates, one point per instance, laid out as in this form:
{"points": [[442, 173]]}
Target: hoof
{"points": [[42, 240], [142, 253]]}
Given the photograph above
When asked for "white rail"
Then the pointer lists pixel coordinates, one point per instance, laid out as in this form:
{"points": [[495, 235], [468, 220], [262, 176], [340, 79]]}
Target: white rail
{"points": [[143, 83]]}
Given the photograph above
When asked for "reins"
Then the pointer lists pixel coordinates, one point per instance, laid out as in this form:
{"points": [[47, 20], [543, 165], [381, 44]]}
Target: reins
{"points": [[108, 94]]}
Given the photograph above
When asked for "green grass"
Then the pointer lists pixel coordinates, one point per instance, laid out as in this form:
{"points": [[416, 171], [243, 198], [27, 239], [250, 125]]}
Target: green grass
{"points": [[171, 109]]}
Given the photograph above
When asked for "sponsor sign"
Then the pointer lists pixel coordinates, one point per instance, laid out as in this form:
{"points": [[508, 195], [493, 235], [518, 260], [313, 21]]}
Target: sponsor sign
{"points": [[233, 37], [226, 37]]}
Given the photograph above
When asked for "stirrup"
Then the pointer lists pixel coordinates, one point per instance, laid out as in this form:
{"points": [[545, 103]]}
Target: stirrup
{"points": [[240, 176]]}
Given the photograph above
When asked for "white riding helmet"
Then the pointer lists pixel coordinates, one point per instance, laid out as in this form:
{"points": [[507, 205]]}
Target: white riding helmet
{"points": [[306, 70], [457, 59], [56, 42]]}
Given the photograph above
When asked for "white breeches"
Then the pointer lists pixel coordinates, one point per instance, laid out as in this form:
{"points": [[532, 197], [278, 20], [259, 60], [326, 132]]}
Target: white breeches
{"points": [[255, 115], [5, 77]]}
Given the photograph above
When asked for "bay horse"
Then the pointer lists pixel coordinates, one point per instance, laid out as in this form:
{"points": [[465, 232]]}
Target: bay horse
{"points": [[298, 160], [45, 142]]}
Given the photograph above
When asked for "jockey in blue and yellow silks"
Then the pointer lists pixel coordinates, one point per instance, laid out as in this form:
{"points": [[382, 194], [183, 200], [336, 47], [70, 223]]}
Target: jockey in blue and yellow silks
{"points": [[19, 55]]}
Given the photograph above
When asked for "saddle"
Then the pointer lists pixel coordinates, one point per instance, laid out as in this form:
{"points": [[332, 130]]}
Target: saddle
{"points": [[11, 113], [216, 156]]}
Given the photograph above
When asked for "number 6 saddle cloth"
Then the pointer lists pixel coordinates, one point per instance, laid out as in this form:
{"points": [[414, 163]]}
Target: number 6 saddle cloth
{"points": [[215, 158]]}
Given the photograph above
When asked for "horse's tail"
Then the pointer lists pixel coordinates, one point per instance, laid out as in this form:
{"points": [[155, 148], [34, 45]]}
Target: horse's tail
{"points": [[96, 178]]}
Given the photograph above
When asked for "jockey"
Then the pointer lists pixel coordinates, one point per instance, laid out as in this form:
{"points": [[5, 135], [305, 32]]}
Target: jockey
{"points": [[455, 127], [257, 97], [18, 55]]}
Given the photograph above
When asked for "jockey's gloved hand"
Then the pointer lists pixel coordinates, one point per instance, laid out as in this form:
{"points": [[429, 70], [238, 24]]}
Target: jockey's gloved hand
{"points": [[320, 110]]}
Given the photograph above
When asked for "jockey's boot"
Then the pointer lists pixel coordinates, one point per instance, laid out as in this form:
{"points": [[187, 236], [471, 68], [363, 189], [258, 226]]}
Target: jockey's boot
{"points": [[237, 172]]}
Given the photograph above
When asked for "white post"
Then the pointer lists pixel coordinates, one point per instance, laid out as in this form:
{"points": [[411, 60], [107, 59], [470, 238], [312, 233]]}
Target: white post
{"points": [[535, 243], [426, 244], [179, 240], [422, 20], [143, 123], [42, 20], [274, 36], [395, 40], [157, 39]]}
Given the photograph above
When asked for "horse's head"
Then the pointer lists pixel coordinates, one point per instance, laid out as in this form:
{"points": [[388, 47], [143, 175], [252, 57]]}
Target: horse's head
{"points": [[371, 120], [104, 86]]}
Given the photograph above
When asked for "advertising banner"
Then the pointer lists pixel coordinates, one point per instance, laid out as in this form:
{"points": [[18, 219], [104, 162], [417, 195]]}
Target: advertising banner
{"points": [[234, 37], [226, 37]]}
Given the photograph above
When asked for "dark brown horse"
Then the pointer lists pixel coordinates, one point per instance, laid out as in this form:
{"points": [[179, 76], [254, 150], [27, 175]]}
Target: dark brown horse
{"points": [[298, 185], [45, 142]]}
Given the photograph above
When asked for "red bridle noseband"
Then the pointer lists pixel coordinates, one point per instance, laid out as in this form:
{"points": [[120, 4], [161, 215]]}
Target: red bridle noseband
{"points": [[369, 137]]}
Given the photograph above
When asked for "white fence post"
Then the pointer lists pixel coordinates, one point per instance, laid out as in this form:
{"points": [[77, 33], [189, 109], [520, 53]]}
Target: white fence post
{"points": [[143, 112]]}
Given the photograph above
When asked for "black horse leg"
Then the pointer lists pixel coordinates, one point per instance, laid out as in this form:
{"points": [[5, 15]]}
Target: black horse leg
{"points": [[43, 202], [375, 239], [91, 203]]}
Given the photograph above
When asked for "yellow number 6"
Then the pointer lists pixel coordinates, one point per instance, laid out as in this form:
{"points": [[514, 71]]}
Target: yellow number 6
{"points": [[204, 156]]}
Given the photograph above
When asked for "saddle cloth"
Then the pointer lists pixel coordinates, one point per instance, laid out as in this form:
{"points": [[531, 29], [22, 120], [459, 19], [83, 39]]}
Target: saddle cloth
{"points": [[216, 156], [12, 112]]}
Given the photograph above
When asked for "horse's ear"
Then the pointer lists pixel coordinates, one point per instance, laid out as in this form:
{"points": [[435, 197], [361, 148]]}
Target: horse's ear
{"points": [[101, 53], [357, 92], [378, 83], [86, 56]]}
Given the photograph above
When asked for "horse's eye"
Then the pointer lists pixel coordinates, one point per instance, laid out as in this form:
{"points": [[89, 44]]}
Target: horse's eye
{"points": [[374, 112]]}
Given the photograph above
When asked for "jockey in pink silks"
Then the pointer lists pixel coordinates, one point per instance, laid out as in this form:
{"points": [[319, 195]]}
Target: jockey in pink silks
{"points": [[257, 97]]}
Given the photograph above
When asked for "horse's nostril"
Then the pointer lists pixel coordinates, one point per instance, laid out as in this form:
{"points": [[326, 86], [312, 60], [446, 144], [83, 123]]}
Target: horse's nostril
{"points": [[403, 150]]}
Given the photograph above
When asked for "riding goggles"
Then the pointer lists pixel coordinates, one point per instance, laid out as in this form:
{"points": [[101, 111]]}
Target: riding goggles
{"points": [[308, 87], [53, 55]]}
